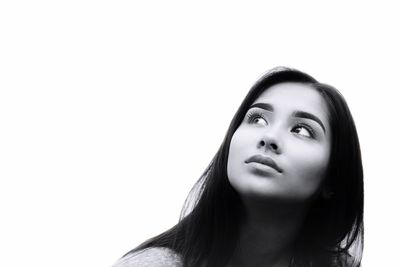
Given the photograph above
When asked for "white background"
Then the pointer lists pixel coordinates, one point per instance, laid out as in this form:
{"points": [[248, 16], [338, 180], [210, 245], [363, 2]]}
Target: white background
{"points": [[111, 110]]}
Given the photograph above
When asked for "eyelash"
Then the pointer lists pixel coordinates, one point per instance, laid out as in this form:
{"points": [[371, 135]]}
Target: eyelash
{"points": [[255, 115], [308, 128], [251, 116]]}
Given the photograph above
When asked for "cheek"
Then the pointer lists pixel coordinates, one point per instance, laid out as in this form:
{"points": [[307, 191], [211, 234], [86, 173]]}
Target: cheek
{"points": [[309, 167], [237, 153], [233, 155], [240, 143]]}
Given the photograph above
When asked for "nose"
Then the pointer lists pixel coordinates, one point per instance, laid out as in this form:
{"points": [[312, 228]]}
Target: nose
{"points": [[270, 143]]}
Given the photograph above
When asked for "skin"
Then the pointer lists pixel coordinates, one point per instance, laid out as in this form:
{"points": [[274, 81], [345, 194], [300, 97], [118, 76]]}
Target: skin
{"points": [[302, 158], [276, 202]]}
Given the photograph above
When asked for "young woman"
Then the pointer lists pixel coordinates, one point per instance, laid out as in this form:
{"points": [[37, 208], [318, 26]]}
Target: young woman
{"points": [[284, 189]]}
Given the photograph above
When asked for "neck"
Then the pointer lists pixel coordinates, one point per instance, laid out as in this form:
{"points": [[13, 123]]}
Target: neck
{"points": [[268, 233]]}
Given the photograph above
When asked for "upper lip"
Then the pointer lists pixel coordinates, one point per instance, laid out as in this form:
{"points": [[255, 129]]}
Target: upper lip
{"points": [[264, 160]]}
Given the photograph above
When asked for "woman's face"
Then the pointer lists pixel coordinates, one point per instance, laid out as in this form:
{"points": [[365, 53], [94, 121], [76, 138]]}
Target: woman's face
{"points": [[281, 149]]}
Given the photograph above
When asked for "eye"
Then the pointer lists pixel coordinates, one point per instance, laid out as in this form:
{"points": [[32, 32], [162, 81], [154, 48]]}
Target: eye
{"points": [[304, 130], [257, 118]]}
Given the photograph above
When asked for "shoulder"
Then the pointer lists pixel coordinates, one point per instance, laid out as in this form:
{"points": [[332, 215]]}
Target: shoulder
{"points": [[151, 257], [346, 260]]}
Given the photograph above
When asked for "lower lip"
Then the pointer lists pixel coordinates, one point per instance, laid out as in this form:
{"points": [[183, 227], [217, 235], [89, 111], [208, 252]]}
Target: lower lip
{"points": [[262, 169]]}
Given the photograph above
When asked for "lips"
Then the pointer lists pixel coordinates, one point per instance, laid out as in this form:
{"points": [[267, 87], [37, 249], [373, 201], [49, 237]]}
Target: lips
{"points": [[265, 161]]}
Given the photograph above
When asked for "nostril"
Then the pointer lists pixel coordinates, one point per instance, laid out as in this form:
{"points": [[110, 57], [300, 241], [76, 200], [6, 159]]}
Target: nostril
{"points": [[274, 146], [270, 145]]}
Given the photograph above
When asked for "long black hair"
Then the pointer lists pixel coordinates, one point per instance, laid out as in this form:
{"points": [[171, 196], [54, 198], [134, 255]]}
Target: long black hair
{"points": [[207, 232]]}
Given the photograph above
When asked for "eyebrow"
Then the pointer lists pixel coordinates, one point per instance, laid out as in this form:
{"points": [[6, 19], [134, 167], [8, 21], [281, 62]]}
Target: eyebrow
{"points": [[265, 106], [306, 115], [297, 113]]}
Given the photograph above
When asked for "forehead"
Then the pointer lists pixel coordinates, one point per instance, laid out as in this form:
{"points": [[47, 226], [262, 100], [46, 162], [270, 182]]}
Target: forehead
{"points": [[294, 96]]}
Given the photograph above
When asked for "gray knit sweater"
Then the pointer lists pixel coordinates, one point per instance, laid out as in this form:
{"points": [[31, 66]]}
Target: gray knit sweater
{"points": [[164, 257], [151, 257]]}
